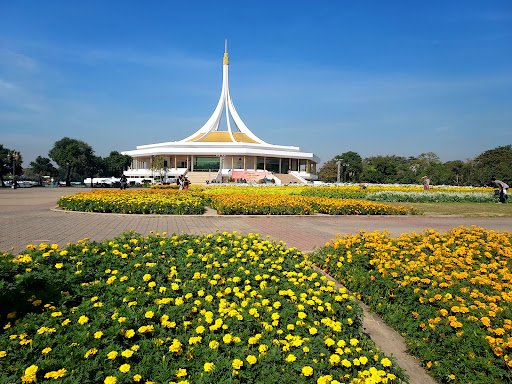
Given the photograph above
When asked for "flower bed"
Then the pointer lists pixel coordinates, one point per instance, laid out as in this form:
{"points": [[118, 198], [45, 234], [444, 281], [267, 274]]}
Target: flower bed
{"points": [[188, 309], [168, 201], [273, 204], [437, 197], [449, 294]]}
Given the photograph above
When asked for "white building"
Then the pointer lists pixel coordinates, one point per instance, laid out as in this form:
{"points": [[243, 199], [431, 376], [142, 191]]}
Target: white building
{"points": [[219, 153]]}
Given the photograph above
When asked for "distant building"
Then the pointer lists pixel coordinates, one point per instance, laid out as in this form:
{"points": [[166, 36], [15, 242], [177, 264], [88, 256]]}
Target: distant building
{"points": [[219, 153]]}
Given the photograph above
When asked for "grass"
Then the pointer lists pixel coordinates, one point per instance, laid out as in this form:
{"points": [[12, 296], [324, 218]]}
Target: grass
{"points": [[462, 209]]}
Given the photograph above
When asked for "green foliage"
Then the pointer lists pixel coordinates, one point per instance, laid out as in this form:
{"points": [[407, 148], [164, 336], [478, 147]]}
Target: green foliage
{"points": [[115, 164], [495, 163], [353, 168], [6, 163], [437, 197], [329, 172], [71, 155], [42, 166]]}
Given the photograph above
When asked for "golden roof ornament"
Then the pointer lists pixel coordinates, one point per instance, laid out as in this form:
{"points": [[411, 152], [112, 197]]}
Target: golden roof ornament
{"points": [[226, 61]]}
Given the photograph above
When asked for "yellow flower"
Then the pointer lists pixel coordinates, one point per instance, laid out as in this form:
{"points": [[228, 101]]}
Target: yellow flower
{"points": [[97, 335], [214, 344], [209, 367], [290, 358], [112, 355], [181, 372], [90, 352], [386, 362], [110, 380], [83, 319], [55, 374], [137, 377], [251, 359], [127, 353], [46, 350], [3, 353], [237, 364], [149, 314], [307, 370], [59, 265], [124, 368], [146, 277], [129, 333]]}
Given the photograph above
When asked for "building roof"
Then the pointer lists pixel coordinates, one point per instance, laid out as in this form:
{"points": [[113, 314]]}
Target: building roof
{"points": [[213, 138]]}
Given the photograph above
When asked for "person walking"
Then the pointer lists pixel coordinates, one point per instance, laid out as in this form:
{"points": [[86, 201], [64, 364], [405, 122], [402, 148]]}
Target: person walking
{"points": [[503, 189], [180, 182], [186, 183]]}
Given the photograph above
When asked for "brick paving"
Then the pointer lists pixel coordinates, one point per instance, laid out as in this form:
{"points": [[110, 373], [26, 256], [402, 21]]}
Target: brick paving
{"points": [[28, 216]]}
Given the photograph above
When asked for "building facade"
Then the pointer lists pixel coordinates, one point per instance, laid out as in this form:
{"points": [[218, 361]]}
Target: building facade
{"points": [[220, 152]]}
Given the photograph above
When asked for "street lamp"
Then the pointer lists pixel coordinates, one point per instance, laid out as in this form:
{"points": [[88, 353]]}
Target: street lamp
{"points": [[14, 156]]}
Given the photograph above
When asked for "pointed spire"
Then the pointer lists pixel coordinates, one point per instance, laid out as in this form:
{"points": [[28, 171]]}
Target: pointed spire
{"points": [[226, 61]]}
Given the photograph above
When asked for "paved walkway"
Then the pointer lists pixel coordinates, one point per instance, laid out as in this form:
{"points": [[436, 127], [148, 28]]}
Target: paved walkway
{"points": [[28, 216]]}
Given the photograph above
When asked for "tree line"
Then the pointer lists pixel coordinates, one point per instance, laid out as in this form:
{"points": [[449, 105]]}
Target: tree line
{"points": [[75, 160], [353, 168]]}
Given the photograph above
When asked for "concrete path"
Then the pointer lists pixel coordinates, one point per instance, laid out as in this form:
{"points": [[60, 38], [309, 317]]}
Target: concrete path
{"points": [[28, 216]]}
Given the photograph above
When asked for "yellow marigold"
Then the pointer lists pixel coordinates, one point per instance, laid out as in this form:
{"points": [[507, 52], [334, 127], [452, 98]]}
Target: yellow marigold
{"points": [[55, 374], [83, 319], [129, 333], [181, 372], [46, 350], [324, 379], [149, 314], [3, 353], [290, 358], [146, 277], [386, 362], [209, 367], [307, 370], [91, 352], [127, 353], [124, 368], [237, 364], [112, 355], [251, 359], [110, 380], [137, 378], [97, 335]]}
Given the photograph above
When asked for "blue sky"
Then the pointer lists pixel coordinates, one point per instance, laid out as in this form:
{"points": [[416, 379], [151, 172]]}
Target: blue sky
{"points": [[374, 77]]}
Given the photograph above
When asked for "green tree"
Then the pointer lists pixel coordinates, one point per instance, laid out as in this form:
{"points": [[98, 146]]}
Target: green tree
{"points": [[328, 172], [159, 166], [93, 166], [353, 166], [42, 166], [116, 163], [6, 163], [71, 155], [493, 163]]}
